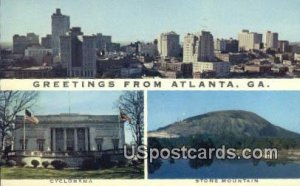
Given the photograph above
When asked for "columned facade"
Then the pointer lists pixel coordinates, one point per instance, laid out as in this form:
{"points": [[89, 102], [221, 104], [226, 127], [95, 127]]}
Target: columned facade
{"points": [[70, 140]]}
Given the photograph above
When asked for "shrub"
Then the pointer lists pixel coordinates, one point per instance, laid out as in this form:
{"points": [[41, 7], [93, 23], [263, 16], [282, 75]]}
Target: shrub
{"points": [[105, 161], [2, 162], [11, 163], [35, 163], [59, 164], [45, 164], [23, 163], [122, 163], [90, 164]]}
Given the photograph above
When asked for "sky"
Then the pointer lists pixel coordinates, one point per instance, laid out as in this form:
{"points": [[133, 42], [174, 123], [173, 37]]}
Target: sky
{"points": [[278, 107], [80, 102], [144, 20]]}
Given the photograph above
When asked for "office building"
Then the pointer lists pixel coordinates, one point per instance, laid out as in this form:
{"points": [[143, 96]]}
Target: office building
{"points": [[272, 40], [46, 41], [249, 40], [78, 54], [198, 47], [60, 26], [168, 45]]}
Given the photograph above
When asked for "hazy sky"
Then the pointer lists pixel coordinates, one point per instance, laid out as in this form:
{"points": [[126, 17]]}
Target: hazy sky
{"points": [[83, 102], [279, 107], [131, 20]]}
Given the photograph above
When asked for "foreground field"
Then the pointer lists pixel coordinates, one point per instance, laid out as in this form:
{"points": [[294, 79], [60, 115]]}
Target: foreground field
{"points": [[42, 173]]}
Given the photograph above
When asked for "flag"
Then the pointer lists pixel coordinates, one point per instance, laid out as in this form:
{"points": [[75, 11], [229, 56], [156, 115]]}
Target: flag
{"points": [[124, 117], [30, 118]]}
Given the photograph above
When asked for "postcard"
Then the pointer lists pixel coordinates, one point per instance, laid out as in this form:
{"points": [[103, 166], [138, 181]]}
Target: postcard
{"points": [[151, 92]]}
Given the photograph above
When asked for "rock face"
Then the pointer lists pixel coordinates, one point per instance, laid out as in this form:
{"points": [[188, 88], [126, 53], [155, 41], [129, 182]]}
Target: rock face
{"points": [[230, 122]]}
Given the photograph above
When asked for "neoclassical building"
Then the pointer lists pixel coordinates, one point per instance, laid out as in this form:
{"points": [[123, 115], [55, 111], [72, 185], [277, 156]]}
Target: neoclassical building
{"points": [[69, 136]]}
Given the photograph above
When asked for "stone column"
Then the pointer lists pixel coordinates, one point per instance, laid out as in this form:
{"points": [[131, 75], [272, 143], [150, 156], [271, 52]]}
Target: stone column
{"points": [[86, 139], [65, 139], [53, 140], [75, 140]]}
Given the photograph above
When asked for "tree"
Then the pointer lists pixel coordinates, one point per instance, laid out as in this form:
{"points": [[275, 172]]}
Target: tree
{"points": [[131, 104], [11, 104]]}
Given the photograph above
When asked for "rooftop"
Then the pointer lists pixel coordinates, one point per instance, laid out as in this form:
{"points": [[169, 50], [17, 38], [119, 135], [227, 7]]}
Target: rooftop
{"points": [[72, 118]]}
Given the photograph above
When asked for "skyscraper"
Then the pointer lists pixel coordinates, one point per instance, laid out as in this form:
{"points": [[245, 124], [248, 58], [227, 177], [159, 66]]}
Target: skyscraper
{"points": [[249, 40], [189, 48], [271, 40], [20, 43], [78, 54], [46, 41], [168, 45], [103, 42], [33, 39], [198, 47], [60, 26]]}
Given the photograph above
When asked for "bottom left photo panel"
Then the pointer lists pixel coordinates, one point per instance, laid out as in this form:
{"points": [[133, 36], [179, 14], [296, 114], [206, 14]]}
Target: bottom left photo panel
{"points": [[71, 134]]}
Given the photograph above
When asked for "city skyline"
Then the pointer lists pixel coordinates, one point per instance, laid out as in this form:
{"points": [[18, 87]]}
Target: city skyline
{"points": [[145, 20], [278, 107]]}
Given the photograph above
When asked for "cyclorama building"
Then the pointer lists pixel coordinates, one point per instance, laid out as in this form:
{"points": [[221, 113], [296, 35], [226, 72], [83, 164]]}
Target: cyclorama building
{"points": [[69, 137]]}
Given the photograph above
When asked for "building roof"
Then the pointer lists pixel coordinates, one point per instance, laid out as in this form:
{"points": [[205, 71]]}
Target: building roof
{"points": [[72, 119]]}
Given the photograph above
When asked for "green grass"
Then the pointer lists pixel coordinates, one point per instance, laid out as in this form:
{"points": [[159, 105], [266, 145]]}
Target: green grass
{"points": [[42, 173]]}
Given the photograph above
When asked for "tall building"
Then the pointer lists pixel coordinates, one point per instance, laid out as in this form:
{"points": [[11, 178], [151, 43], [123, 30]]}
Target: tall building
{"points": [[168, 45], [103, 42], [78, 54], [271, 40], [249, 40], [33, 39], [220, 45], [226, 45], [147, 49], [189, 48], [60, 26], [20, 43], [232, 45], [283, 46], [46, 41], [198, 47]]}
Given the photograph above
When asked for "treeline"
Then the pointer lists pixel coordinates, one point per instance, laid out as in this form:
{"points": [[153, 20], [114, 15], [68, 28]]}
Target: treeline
{"points": [[230, 141]]}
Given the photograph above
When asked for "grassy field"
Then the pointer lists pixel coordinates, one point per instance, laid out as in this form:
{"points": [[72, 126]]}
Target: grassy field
{"points": [[42, 173]]}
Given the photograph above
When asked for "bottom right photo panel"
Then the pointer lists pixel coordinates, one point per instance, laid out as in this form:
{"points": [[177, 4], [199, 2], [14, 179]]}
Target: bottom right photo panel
{"points": [[223, 134]]}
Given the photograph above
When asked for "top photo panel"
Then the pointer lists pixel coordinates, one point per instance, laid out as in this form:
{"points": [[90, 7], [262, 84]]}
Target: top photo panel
{"points": [[115, 39]]}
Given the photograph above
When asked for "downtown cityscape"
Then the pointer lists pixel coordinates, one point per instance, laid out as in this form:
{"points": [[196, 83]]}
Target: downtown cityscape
{"points": [[68, 52]]}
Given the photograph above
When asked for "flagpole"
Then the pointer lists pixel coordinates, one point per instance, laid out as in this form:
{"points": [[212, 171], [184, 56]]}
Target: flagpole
{"points": [[24, 133]]}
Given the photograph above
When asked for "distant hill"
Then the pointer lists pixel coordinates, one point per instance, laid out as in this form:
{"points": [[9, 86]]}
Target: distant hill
{"points": [[237, 123]]}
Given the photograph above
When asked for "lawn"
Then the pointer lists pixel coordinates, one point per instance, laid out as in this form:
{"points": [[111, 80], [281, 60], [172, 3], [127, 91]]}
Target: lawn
{"points": [[42, 173]]}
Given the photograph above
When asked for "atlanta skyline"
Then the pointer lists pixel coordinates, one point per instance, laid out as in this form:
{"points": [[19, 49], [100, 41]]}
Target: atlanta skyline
{"points": [[133, 20]]}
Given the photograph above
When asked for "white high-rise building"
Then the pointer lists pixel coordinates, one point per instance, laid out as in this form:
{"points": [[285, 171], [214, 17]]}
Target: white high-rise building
{"points": [[78, 54], [189, 48], [168, 45], [198, 47], [60, 26], [249, 40], [271, 40]]}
